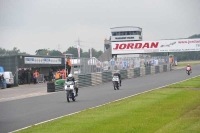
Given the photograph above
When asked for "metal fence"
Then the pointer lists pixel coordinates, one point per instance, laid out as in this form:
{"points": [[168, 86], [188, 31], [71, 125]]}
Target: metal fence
{"points": [[93, 65]]}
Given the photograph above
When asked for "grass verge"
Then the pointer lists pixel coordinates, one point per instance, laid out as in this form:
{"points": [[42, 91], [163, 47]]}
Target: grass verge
{"points": [[174, 109], [184, 63]]}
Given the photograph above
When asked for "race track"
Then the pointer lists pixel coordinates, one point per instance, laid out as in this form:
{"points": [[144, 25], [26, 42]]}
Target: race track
{"points": [[16, 114]]}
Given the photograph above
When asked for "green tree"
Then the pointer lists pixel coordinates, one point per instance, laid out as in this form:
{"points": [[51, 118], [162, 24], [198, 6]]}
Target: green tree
{"points": [[2, 51], [55, 53], [74, 51]]}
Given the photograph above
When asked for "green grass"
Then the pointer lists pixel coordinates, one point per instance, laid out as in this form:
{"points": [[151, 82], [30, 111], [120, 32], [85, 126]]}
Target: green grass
{"points": [[184, 63], [173, 109]]}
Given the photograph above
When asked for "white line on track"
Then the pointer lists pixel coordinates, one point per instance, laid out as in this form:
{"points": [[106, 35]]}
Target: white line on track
{"points": [[101, 105]]}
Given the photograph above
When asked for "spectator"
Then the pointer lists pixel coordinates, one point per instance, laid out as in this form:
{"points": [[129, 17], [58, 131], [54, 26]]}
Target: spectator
{"points": [[37, 74], [69, 65], [34, 77], [57, 75]]}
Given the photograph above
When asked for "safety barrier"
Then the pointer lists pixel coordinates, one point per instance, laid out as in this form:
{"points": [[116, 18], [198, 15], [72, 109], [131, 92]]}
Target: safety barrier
{"points": [[96, 78], [106, 76], [85, 80], [164, 68], [147, 70], [123, 74], [157, 70], [137, 72], [130, 73], [59, 87], [152, 69]]}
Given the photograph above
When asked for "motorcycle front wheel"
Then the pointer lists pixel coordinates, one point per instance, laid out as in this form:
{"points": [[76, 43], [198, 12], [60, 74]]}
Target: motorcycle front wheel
{"points": [[68, 96]]}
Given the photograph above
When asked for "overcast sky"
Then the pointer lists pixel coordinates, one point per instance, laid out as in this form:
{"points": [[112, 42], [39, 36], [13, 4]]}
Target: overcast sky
{"points": [[56, 24]]}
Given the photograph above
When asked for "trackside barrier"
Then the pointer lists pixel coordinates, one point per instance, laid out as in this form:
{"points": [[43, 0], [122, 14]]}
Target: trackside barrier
{"points": [[123, 74], [164, 68], [106, 76], [152, 70], [161, 68], [157, 70], [137, 72], [84, 80], [130, 73], [142, 71], [147, 70], [96, 78], [92, 79], [59, 87]]}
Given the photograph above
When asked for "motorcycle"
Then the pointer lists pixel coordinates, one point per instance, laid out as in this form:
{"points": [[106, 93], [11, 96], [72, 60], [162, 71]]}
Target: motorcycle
{"points": [[115, 81], [188, 70], [70, 87]]}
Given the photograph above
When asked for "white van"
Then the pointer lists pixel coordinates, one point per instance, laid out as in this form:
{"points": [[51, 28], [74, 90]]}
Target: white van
{"points": [[9, 78]]}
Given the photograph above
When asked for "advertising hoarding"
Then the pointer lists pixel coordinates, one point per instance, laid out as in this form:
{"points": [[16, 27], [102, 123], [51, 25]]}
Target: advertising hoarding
{"points": [[40, 60], [182, 45]]}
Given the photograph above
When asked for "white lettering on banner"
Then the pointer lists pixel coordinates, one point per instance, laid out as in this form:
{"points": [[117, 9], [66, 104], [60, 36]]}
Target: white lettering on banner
{"points": [[155, 46], [40, 60]]}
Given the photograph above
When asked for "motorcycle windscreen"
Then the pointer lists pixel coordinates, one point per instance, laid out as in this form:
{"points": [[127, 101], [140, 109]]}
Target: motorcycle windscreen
{"points": [[115, 78]]}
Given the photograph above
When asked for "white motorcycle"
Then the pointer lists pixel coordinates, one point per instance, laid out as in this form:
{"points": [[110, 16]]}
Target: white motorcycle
{"points": [[70, 87], [115, 81]]}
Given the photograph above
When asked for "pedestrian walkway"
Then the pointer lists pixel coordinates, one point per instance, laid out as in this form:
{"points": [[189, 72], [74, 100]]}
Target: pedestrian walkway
{"points": [[23, 91]]}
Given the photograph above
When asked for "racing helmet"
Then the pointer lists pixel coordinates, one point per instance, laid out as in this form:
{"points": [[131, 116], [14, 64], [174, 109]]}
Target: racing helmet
{"points": [[70, 75], [188, 64]]}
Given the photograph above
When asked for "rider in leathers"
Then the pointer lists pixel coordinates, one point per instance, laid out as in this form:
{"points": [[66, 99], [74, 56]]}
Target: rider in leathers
{"points": [[190, 67], [71, 78], [119, 76]]}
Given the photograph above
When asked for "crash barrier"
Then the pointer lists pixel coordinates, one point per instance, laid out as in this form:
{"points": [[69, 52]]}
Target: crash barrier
{"points": [[41, 78], [3, 84], [59, 87], [85, 80]]}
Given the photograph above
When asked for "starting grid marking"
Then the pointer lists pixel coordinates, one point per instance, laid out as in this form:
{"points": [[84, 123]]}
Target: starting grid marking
{"points": [[101, 105]]}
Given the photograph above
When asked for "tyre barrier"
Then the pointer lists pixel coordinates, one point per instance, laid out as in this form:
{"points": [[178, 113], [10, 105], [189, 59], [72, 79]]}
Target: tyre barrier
{"points": [[123, 74], [157, 69], [147, 70], [164, 68], [50, 87], [106, 76], [136, 72], [85, 80], [130, 73], [59, 87]]}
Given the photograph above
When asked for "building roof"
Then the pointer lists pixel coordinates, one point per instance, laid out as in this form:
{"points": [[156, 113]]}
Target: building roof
{"points": [[126, 27]]}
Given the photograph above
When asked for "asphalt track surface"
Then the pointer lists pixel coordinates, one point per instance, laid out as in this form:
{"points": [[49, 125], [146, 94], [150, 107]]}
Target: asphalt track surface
{"points": [[19, 113]]}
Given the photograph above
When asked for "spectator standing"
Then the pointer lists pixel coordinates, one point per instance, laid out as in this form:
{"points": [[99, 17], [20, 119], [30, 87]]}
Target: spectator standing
{"points": [[69, 65]]}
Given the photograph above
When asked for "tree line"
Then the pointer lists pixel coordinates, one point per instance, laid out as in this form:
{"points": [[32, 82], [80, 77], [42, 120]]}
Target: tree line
{"points": [[47, 52]]}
